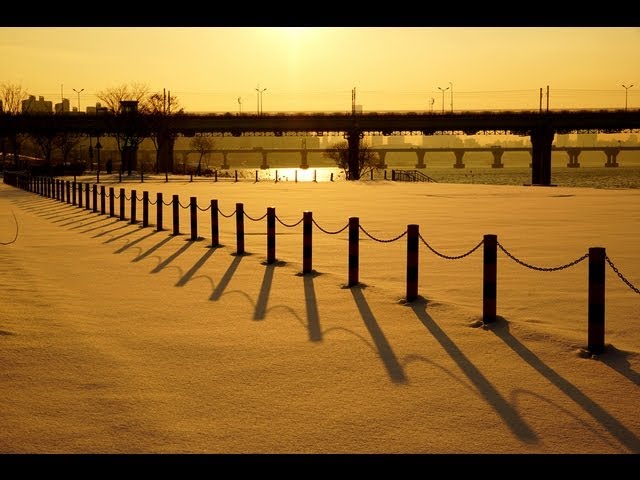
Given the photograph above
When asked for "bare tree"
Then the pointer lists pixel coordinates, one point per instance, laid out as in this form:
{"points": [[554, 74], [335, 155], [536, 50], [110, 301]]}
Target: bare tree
{"points": [[113, 97], [11, 97], [203, 145], [45, 144], [66, 142], [160, 106], [367, 159]]}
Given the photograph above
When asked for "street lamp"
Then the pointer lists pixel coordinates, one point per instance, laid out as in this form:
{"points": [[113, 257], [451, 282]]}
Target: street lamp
{"points": [[433, 100], [260, 99], [626, 94], [239, 105], [451, 86], [443, 90], [78, 92]]}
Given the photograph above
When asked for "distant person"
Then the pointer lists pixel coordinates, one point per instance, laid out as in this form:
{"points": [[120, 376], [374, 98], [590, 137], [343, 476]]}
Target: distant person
{"points": [[109, 166]]}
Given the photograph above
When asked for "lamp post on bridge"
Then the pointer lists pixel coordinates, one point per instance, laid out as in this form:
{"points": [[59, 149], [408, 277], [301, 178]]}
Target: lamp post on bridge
{"points": [[451, 86], [260, 91], [239, 105], [626, 94], [78, 92], [443, 90]]}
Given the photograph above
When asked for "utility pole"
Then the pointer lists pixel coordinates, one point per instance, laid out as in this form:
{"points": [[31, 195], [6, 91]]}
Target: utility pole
{"points": [[547, 98], [353, 101], [540, 99]]}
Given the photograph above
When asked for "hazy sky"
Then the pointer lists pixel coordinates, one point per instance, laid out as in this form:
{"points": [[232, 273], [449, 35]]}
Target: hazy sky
{"points": [[316, 68]]}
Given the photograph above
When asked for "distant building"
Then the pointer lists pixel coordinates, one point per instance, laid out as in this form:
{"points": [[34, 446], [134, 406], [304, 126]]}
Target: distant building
{"points": [[31, 105], [97, 109], [63, 107]]}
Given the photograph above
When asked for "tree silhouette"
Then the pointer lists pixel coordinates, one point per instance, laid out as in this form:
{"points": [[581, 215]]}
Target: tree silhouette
{"points": [[11, 97], [203, 145], [112, 98], [161, 106], [367, 159]]}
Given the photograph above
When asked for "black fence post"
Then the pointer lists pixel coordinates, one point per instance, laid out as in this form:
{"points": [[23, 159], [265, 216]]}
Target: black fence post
{"points": [[122, 200], [271, 234], [215, 236], [112, 201], [193, 204], [239, 228], [354, 250], [158, 211], [595, 342], [413, 233], [490, 278], [176, 215], [133, 206], [145, 209], [307, 242]]}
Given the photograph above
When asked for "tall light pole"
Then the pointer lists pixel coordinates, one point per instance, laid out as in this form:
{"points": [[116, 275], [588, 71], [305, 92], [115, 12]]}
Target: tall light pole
{"points": [[433, 100], [239, 105], [626, 94], [260, 99], [78, 92], [443, 90], [451, 86]]}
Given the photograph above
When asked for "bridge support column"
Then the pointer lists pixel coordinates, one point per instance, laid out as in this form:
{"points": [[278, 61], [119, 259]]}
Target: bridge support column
{"points": [[166, 143], [264, 165], [541, 140], [612, 156], [497, 157], [353, 153], [459, 155], [381, 162], [573, 153], [420, 155], [304, 165], [225, 163]]}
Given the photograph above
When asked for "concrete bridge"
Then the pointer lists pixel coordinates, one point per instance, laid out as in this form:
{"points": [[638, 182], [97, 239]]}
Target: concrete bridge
{"points": [[573, 153], [539, 126]]}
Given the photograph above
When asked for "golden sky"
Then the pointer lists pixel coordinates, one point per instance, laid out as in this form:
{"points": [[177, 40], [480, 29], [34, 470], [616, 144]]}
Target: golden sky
{"points": [[316, 68]]}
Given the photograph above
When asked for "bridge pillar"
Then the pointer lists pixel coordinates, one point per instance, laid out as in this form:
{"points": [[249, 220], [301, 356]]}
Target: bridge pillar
{"points": [[304, 165], [459, 155], [353, 153], [264, 165], [497, 157], [612, 155], [166, 144], [420, 155], [225, 163], [381, 162], [541, 140], [573, 153]]}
